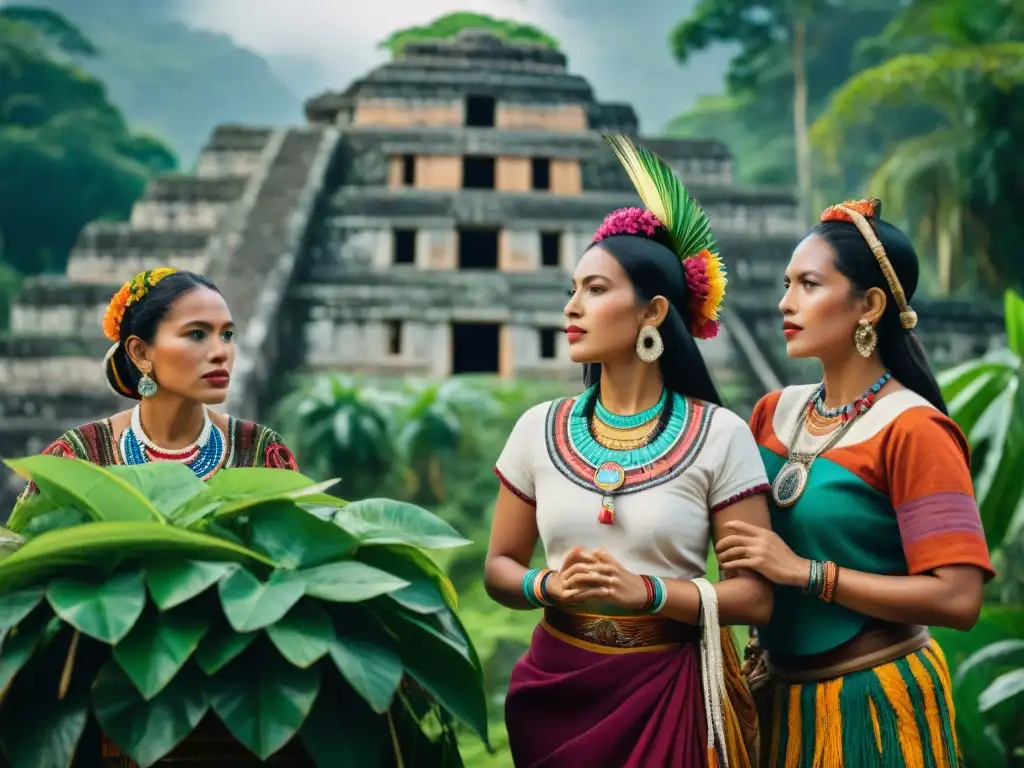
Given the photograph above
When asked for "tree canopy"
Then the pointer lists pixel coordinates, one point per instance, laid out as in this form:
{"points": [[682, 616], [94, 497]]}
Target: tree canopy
{"points": [[67, 156], [446, 27]]}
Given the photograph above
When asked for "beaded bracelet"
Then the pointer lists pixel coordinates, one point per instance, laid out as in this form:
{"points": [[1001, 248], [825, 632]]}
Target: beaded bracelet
{"points": [[535, 590], [822, 580], [657, 594], [831, 579]]}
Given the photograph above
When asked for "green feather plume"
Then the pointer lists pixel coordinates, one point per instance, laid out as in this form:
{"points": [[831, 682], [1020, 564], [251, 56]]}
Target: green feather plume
{"points": [[664, 195]]}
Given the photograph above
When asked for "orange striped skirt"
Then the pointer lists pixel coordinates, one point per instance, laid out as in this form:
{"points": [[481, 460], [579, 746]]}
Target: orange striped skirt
{"points": [[898, 714]]}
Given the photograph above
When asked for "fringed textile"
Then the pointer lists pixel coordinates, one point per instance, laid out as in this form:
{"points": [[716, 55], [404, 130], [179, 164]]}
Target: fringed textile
{"points": [[896, 715]]}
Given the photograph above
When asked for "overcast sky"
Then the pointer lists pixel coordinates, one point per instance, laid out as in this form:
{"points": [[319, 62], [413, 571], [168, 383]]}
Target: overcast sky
{"points": [[324, 44]]}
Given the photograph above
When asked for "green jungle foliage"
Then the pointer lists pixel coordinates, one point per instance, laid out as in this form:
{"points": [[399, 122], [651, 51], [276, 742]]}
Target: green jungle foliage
{"points": [[148, 600], [175, 81], [920, 103], [67, 156], [451, 24]]}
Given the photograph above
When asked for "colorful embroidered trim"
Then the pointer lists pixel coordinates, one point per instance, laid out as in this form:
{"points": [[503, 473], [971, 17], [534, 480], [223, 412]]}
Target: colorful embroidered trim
{"points": [[576, 454], [752, 491], [130, 293], [616, 421], [535, 590], [508, 484]]}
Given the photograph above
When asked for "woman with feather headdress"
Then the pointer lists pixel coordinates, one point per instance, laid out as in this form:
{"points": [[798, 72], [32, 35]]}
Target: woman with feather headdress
{"points": [[624, 485]]}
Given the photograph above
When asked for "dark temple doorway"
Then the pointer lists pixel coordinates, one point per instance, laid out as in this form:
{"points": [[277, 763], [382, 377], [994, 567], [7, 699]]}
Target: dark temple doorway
{"points": [[475, 348]]}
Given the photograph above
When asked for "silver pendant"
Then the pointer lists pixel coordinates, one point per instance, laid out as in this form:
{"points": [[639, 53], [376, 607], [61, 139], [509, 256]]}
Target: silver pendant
{"points": [[790, 483]]}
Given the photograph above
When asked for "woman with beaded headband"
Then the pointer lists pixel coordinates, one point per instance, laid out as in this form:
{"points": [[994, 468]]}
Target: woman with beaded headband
{"points": [[173, 350], [877, 533], [625, 485]]}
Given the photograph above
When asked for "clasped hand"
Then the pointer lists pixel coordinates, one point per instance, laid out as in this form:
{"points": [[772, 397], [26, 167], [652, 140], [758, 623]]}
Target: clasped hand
{"points": [[596, 575]]}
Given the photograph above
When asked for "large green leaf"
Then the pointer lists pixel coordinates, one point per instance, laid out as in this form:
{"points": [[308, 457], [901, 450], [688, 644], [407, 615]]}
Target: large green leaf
{"points": [[167, 485], [1013, 312], [989, 654], [242, 505], [421, 596], [148, 730], [347, 581], [48, 518], [47, 735], [442, 668], [106, 610], [999, 483], [304, 635], [263, 700], [232, 492], [103, 493], [220, 646], [411, 564], [257, 482], [384, 521], [104, 544], [362, 740], [1005, 687], [367, 658], [294, 538], [251, 604], [971, 402], [15, 606], [159, 645], [21, 643], [173, 582]]}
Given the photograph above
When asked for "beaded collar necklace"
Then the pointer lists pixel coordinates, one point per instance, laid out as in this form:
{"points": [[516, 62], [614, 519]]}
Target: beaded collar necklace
{"points": [[791, 481], [203, 456]]}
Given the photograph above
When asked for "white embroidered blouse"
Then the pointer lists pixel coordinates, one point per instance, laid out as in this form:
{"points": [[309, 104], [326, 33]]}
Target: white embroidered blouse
{"points": [[705, 460]]}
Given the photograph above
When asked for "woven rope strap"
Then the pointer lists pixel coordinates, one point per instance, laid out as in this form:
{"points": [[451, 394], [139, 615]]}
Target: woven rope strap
{"points": [[712, 669]]}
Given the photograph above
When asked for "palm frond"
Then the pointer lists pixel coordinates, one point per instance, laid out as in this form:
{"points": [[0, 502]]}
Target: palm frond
{"points": [[936, 79], [664, 195]]}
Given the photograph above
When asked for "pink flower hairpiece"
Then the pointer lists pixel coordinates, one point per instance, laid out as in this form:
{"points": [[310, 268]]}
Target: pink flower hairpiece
{"points": [[628, 221], [704, 273]]}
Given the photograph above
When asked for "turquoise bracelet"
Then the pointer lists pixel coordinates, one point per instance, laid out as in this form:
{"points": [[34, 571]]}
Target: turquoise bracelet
{"points": [[535, 587]]}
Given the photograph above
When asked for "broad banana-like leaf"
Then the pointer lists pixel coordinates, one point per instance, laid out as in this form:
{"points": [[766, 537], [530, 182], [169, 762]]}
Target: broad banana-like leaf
{"points": [[986, 399], [386, 521], [104, 544], [104, 494]]}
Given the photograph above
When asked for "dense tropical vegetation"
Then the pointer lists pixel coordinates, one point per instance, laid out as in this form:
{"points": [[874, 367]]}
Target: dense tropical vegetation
{"points": [[920, 103], [67, 156], [449, 25], [160, 608]]}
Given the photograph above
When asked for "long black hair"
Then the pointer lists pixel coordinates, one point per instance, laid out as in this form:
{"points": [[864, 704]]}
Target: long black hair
{"points": [[654, 270], [143, 319], [900, 349]]}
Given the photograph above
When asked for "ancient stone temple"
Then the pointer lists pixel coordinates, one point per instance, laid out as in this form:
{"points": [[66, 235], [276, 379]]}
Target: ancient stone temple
{"points": [[423, 222]]}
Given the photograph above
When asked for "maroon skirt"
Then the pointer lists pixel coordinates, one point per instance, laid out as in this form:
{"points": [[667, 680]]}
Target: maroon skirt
{"points": [[577, 704]]}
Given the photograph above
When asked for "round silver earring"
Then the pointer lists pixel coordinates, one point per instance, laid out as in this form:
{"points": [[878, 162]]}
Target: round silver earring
{"points": [[649, 345], [147, 386], [865, 338]]}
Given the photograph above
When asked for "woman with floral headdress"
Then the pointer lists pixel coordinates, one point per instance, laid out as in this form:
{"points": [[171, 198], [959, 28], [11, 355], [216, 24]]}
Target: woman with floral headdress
{"points": [[624, 485], [877, 532], [173, 351]]}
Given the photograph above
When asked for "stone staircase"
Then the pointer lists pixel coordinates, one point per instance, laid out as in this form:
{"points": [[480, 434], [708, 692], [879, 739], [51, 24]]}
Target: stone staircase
{"points": [[239, 219]]}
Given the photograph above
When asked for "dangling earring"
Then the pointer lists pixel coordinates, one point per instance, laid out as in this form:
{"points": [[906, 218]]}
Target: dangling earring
{"points": [[865, 338], [147, 386], [649, 345]]}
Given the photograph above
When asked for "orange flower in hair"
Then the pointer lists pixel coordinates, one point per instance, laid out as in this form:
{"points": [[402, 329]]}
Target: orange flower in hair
{"points": [[130, 293], [866, 208]]}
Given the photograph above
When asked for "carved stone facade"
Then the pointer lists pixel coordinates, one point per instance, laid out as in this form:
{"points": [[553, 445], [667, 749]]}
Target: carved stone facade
{"points": [[425, 222]]}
